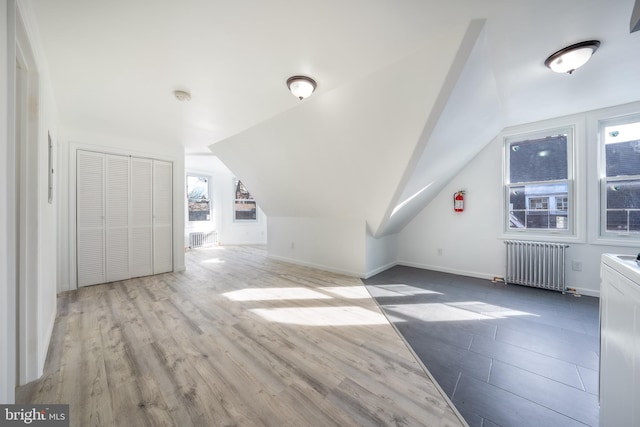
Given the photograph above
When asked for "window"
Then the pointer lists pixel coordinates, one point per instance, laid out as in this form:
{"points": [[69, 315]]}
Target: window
{"points": [[562, 203], [621, 176], [538, 181], [538, 203], [244, 208], [198, 198]]}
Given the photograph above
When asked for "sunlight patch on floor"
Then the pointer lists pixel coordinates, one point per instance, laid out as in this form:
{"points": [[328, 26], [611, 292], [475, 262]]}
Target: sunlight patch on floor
{"points": [[503, 314], [348, 292], [273, 294], [451, 312], [322, 316], [495, 311], [396, 290], [213, 261], [436, 312], [207, 248]]}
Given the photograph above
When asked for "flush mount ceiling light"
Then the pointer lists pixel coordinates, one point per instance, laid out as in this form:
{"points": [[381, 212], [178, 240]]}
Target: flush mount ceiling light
{"points": [[572, 57], [182, 95], [301, 86]]}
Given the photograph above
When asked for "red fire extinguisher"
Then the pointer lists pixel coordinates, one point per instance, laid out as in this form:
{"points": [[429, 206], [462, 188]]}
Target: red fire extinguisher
{"points": [[458, 201]]}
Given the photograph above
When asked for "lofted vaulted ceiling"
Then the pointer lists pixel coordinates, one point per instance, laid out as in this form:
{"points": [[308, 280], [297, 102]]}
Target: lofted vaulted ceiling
{"points": [[408, 91]]}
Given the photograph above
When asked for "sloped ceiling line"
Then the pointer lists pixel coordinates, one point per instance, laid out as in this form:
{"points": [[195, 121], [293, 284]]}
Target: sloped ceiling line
{"points": [[398, 202], [342, 153], [469, 120]]}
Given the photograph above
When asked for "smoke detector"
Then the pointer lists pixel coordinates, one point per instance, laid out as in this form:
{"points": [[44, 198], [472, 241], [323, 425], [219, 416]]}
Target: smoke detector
{"points": [[182, 95]]}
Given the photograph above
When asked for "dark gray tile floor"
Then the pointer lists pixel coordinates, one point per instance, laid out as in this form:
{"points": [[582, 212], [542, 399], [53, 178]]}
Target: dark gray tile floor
{"points": [[506, 355]]}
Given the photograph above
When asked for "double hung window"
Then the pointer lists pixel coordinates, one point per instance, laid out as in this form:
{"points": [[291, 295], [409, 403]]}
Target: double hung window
{"points": [[538, 181], [620, 181], [198, 198], [245, 208]]}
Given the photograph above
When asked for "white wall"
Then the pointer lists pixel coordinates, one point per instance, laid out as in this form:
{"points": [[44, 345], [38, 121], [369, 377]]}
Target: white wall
{"points": [[343, 152], [382, 253], [472, 241], [469, 240], [230, 232], [332, 244], [471, 117], [71, 140], [7, 222], [47, 221], [37, 320], [233, 232], [38, 307]]}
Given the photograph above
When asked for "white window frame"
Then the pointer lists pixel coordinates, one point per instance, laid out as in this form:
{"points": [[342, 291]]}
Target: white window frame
{"points": [[241, 220], [209, 188], [574, 127], [618, 238]]}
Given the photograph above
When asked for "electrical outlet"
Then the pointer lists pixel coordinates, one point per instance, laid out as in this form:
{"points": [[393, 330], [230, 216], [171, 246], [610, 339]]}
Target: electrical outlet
{"points": [[439, 251], [576, 265]]}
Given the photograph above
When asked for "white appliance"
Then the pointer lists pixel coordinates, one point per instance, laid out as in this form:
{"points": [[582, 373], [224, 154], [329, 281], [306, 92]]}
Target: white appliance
{"points": [[619, 341]]}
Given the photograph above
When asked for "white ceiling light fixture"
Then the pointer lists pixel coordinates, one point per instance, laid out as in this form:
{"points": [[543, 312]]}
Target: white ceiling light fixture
{"points": [[301, 86], [572, 57], [182, 95]]}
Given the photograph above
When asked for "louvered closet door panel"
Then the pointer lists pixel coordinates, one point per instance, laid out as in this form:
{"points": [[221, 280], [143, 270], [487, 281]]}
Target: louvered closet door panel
{"points": [[162, 216], [117, 218], [141, 217], [90, 229]]}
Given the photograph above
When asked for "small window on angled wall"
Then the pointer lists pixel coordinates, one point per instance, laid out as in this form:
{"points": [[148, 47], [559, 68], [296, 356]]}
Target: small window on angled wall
{"points": [[538, 182], [620, 177], [244, 207], [198, 198]]}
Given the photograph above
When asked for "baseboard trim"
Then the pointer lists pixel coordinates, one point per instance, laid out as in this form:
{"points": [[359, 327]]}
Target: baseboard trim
{"points": [[63, 288], [587, 292], [242, 243], [314, 265], [441, 269], [581, 291], [378, 270]]}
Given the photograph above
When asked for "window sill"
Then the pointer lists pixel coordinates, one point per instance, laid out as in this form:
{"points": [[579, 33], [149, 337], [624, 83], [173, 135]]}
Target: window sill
{"points": [[558, 237], [622, 240]]}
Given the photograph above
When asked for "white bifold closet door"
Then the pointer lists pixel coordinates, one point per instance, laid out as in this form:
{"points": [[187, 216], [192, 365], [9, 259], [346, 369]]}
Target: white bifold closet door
{"points": [[117, 218], [90, 230], [124, 217], [141, 217], [162, 217]]}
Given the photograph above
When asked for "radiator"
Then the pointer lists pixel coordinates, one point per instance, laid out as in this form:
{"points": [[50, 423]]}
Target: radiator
{"points": [[201, 239], [537, 264]]}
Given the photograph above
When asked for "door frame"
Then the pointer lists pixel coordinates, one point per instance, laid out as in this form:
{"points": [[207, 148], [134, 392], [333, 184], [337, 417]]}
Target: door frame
{"points": [[8, 298], [26, 204]]}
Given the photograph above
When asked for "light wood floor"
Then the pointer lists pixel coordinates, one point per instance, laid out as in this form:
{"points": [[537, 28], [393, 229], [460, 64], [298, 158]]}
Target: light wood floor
{"points": [[236, 340]]}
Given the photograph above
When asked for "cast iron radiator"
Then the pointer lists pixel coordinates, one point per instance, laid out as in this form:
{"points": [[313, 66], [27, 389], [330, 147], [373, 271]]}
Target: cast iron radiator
{"points": [[536, 264], [200, 239]]}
